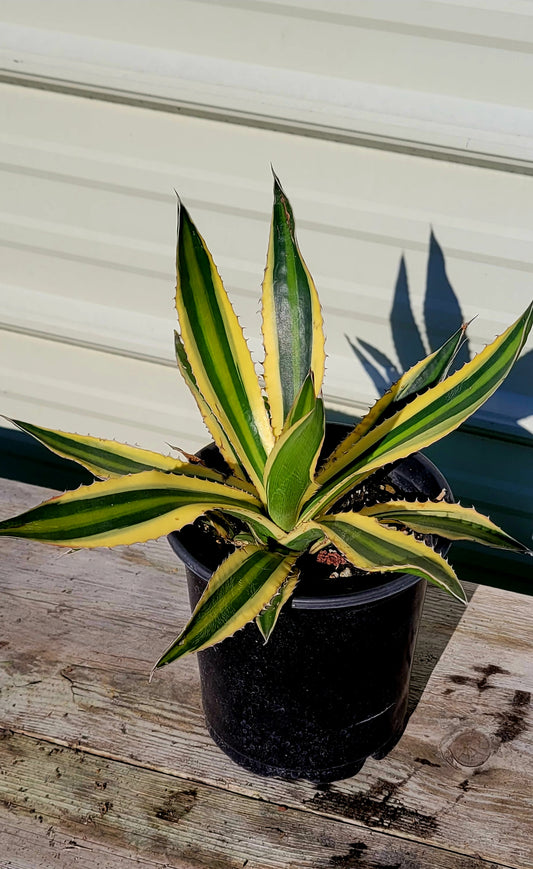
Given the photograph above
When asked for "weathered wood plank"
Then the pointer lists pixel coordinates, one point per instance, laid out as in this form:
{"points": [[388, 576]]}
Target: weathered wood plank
{"points": [[81, 631], [91, 812], [26, 844]]}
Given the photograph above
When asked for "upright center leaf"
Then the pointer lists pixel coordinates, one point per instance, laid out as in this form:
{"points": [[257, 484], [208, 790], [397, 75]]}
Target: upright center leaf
{"points": [[290, 468], [292, 320]]}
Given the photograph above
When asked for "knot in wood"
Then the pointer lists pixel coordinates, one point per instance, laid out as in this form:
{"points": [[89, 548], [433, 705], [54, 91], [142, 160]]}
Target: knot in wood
{"points": [[471, 748]]}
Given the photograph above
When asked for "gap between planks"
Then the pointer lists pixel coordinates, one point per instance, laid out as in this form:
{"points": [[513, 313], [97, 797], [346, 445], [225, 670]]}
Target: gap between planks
{"points": [[124, 813]]}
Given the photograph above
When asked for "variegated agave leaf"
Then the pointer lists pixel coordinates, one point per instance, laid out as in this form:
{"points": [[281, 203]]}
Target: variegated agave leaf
{"points": [[125, 510], [426, 419], [428, 372], [105, 458], [370, 546], [217, 432], [452, 521], [272, 444], [290, 469], [292, 320], [236, 593], [218, 356], [268, 617]]}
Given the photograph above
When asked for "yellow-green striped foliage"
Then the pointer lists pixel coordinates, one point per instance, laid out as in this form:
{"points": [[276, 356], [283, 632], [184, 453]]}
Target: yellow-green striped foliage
{"points": [[271, 438]]}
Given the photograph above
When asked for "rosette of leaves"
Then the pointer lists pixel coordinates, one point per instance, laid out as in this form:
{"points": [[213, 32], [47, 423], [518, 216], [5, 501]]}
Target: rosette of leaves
{"points": [[271, 438]]}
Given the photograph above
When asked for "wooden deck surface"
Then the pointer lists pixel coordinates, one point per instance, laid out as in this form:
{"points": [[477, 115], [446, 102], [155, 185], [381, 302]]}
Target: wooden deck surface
{"points": [[100, 768]]}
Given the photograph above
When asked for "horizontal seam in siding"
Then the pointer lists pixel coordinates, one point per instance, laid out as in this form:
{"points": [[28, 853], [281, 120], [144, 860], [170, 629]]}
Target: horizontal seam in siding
{"points": [[275, 124]]}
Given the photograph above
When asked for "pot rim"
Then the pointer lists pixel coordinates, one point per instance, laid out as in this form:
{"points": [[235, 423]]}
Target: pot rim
{"points": [[399, 583]]}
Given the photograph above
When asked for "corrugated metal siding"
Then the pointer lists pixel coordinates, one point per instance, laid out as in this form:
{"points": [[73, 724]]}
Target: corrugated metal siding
{"points": [[432, 73], [88, 211]]}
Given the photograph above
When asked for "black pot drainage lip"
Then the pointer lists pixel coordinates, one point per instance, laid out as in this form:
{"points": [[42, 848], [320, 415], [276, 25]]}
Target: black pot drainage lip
{"points": [[413, 475]]}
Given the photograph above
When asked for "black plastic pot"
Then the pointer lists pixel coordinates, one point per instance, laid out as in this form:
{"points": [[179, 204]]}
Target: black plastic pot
{"points": [[330, 688]]}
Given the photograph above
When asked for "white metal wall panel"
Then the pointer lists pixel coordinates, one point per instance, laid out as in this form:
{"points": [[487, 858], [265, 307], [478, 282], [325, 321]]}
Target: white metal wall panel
{"points": [[88, 233], [432, 73]]}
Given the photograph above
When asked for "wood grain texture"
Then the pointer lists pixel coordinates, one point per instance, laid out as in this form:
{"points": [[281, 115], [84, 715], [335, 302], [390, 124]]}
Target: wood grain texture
{"points": [[79, 633], [73, 805]]}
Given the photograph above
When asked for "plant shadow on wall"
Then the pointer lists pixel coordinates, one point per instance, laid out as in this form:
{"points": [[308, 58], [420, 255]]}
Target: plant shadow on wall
{"points": [[442, 317]]}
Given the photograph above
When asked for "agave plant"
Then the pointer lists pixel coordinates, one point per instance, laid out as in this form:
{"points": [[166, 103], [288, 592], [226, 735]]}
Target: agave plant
{"points": [[271, 437]]}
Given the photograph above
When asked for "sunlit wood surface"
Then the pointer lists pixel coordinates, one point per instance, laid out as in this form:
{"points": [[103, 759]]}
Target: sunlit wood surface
{"points": [[100, 768]]}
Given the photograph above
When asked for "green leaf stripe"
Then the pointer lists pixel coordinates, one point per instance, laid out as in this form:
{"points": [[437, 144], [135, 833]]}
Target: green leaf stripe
{"points": [[303, 536], [303, 404], [106, 458], [128, 510], [217, 352], [292, 321], [217, 432], [237, 592], [432, 369], [370, 546], [424, 374], [267, 619], [449, 520], [428, 417], [262, 528], [291, 466]]}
